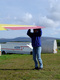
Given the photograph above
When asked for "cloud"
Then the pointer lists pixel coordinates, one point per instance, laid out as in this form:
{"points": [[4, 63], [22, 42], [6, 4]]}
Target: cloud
{"points": [[15, 18], [52, 19], [27, 18], [5, 18], [55, 12], [47, 22], [54, 16], [24, 19], [52, 2], [56, 31]]}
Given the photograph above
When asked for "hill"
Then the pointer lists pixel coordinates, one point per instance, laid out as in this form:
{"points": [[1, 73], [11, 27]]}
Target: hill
{"points": [[24, 39]]}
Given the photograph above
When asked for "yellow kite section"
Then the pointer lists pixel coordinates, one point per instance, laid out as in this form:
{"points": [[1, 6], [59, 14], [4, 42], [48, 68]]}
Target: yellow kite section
{"points": [[13, 25], [2, 28]]}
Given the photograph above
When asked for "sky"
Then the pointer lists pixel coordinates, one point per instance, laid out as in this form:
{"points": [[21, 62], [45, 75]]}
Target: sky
{"points": [[30, 12]]}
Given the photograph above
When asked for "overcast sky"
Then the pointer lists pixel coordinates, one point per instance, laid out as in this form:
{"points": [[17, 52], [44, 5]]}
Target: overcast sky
{"points": [[30, 12]]}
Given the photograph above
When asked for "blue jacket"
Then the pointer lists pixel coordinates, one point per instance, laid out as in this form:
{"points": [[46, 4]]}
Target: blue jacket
{"points": [[35, 37]]}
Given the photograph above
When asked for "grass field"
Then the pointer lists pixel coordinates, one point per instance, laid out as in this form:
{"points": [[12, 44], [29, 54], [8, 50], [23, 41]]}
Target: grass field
{"points": [[20, 67]]}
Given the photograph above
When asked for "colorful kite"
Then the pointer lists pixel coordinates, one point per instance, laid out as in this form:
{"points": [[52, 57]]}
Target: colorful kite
{"points": [[18, 27]]}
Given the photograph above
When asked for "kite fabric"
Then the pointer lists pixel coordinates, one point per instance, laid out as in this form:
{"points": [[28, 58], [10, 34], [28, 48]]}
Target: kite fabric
{"points": [[18, 27]]}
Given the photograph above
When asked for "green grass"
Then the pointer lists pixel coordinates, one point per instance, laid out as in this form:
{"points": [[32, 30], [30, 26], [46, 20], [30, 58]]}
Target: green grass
{"points": [[20, 67]]}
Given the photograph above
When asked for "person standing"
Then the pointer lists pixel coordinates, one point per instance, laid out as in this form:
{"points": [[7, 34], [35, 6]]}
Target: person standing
{"points": [[36, 44]]}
